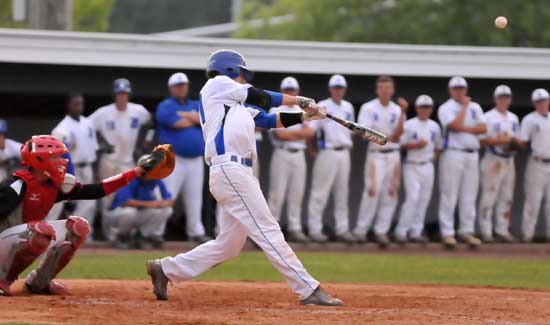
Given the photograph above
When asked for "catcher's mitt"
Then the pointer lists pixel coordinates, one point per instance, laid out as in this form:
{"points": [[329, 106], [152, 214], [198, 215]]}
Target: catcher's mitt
{"points": [[159, 163]]}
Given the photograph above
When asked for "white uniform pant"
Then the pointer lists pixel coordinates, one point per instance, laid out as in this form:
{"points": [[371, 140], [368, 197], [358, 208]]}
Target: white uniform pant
{"points": [[537, 188], [107, 168], [458, 183], [150, 222], [244, 213], [379, 199], [498, 176], [330, 174], [187, 179], [287, 181], [418, 182]]}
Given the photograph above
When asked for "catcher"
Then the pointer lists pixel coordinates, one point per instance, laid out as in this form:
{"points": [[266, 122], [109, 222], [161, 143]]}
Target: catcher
{"points": [[27, 196]]}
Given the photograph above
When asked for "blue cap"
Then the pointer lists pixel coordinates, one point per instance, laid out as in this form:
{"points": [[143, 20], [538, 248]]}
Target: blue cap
{"points": [[3, 126], [228, 63], [122, 85]]}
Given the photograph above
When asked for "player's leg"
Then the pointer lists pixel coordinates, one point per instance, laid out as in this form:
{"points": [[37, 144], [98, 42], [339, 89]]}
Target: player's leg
{"points": [[451, 170], [504, 202], [279, 177], [546, 193], [126, 220], [533, 188], [192, 197], [20, 246], [85, 208], [70, 235], [240, 195], [295, 195], [225, 246], [375, 168], [108, 168], [412, 180], [341, 198], [491, 181], [388, 196], [324, 174], [427, 183], [467, 198], [152, 223]]}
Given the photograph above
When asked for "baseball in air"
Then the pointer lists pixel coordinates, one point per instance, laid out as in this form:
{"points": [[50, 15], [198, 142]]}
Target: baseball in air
{"points": [[501, 22]]}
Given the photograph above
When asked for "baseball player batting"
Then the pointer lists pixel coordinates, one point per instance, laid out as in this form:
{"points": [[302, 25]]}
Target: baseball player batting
{"points": [[228, 128], [26, 198]]}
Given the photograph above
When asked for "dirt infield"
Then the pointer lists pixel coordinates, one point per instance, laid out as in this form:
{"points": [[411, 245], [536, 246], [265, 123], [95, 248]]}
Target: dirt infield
{"points": [[130, 302]]}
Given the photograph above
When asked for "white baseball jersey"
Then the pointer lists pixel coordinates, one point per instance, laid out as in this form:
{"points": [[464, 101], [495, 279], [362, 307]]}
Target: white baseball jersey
{"points": [[79, 136], [332, 134], [416, 129], [12, 149], [535, 128], [381, 118], [296, 144], [120, 128], [498, 123], [460, 140], [228, 126]]}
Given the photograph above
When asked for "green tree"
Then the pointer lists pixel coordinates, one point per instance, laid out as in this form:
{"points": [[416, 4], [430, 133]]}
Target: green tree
{"points": [[92, 16], [457, 22]]}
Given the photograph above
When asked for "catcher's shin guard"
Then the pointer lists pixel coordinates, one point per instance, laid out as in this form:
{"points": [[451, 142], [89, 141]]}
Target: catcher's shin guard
{"points": [[25, 248], [39, 281]]}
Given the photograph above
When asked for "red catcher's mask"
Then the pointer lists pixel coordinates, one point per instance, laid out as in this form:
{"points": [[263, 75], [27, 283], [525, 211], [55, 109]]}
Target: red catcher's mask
{"points": [[43, 154]]}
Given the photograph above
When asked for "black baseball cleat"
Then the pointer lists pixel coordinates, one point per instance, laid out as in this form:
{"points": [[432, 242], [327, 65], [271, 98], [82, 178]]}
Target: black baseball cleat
{"points": [[159, 280], [320, 298]]}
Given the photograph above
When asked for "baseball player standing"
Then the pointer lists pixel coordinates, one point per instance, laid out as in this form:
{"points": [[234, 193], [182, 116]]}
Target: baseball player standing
{"points": [[288, 166], [462, 122], [332, 166], [421, 139], [498, 172], [10, 151], [228, 127], [118, 124], [178, 124], [535, 132], [78, 134], [383, 163]]}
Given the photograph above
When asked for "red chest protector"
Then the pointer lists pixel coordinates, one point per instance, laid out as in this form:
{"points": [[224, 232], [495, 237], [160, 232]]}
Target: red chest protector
{"points": [[39, 197]]}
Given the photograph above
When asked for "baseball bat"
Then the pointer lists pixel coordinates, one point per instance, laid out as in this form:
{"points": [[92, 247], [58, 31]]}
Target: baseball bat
{"points": [[368, 133]]}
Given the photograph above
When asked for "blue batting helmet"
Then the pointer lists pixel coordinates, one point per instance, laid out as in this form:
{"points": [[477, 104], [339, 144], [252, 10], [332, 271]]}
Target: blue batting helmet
{"points": [[228, 63], [3, 126], [122, 85]]}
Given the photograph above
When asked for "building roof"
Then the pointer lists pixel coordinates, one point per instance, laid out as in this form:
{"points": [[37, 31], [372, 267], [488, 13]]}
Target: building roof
{"points": [[153, 51]]}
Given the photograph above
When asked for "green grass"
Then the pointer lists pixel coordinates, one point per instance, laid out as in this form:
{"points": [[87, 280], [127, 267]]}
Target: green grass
{"points": [[339, 267]]}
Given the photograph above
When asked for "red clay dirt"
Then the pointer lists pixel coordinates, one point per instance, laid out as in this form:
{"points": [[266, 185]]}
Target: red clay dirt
{"points": [[131, 302]]}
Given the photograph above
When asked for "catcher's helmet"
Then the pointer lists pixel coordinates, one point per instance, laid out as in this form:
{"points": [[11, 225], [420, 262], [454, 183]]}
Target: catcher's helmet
{"points": [[37, 153], [228, 63], [122, 85]]}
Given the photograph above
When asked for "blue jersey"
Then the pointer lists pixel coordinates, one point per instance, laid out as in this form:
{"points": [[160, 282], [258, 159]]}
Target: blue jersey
{"points": [[70, 166], [187, 142], [140, 190]]}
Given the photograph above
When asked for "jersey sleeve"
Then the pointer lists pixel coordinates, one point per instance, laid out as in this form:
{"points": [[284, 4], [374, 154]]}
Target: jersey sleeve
{"points": [[363, 117], [438, 142], [164, 191], [12, 191], [480, 113], [405, 137], [351, 112], [145, 114], [226, 88], [165, 116], [527, 127], [445, 116]]}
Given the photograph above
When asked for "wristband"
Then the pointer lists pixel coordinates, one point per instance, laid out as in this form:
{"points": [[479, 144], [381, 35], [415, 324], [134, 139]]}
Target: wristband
{"points": [[290, 119]]}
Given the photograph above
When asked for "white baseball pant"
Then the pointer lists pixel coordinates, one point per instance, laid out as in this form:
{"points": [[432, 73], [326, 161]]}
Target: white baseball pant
{"points": [[458, 183], [498, 176], [85, 208], [149, 222], [537, 188], [379, 199], [244, 213], [187, 179], [330, 174], [418, 181], [287, 181], [107, 168]]}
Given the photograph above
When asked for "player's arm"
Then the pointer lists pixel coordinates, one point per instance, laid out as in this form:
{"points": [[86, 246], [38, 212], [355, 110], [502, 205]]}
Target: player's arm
{"points": [[499, 139], [457, 124], [12, 191], [399, 129]]}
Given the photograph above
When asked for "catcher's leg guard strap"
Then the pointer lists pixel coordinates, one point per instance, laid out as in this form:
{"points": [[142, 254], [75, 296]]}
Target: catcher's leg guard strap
{"points": [[60, 254], [26, 248]]}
